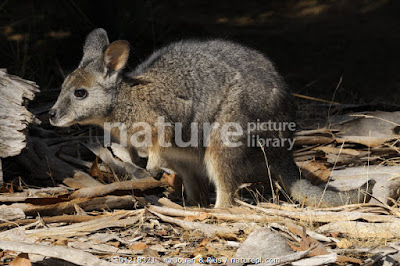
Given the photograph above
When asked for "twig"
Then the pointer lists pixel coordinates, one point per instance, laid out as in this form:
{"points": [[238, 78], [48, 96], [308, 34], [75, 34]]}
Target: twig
{"points": [[208, 229], [313, 98], [101, 190], [54, 219], [65, 253]]}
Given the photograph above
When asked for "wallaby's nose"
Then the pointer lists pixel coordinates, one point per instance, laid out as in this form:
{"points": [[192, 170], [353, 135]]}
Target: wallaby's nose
{"points": [[52, 113]]}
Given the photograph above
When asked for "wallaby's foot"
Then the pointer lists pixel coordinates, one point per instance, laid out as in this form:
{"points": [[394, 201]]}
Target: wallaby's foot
{"points": [[224, 199]]}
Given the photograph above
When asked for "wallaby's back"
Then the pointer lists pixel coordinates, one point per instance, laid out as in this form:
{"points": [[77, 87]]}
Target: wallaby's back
{"points": [[203, 70]]}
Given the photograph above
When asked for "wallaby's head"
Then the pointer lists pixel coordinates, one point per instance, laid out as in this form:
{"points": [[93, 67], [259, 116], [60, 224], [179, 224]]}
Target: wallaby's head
{"points": [[87, 93]]}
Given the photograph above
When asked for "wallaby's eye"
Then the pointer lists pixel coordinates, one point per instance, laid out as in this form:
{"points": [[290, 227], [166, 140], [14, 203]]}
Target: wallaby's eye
{"points": [[80, 93]]}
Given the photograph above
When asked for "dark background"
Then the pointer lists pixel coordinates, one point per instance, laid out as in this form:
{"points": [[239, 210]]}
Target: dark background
{"points": [[313, 43]]}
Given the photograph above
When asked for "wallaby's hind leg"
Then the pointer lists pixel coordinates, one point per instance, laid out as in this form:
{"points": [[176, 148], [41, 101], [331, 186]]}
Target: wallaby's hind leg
{"points": [[223, 169]]}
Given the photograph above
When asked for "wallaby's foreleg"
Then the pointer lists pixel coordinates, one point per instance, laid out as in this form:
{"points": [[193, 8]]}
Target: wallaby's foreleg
{"points": [[195, 183], [196, 190], [155, 161]]}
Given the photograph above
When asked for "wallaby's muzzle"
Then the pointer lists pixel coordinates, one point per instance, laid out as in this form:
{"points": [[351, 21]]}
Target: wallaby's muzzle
{"points": [[52, 113], [56, 120], [53, 117]]}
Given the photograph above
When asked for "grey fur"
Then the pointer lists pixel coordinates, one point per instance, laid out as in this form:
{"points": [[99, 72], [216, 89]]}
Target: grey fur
{"points": [[197, 81], [94, 46]]}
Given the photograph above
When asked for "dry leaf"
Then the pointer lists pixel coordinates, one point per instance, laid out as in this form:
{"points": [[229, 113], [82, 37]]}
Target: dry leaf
{"points": [[364, 140], [81, 180], [295, 229], [334, 234], [10, 189], [114, 243], [174, 183], [378, 124], [345, 259], [138, 246], [168, 203], [95, 171], [203, 216], [204, 242], [201, 248], [175, 253], [314, 171], [79, 210], [228, 236], [337, 150], [312, 140], [306, 241], [344, 243], [61, 242], [162, 232], [171, 180], [21, 260]]}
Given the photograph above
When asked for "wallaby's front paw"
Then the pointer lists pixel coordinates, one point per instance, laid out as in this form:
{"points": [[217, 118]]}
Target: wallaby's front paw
{"points": [[224, 201], [155, 172]]}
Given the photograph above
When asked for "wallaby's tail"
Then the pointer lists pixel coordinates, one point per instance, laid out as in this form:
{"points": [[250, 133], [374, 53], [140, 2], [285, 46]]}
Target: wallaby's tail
{"points": [[303, 191]]}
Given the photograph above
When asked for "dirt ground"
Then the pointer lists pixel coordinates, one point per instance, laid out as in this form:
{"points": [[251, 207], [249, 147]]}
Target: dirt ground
{"points": [[313, 43]]}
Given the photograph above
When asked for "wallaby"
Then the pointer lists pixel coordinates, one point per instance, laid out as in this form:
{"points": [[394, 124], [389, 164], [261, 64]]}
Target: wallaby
{"points": [[216, 83]]}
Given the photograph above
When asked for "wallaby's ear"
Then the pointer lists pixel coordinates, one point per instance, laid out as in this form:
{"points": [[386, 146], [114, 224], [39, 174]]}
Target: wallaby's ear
{"points": [[116, 55], [95, 43]]}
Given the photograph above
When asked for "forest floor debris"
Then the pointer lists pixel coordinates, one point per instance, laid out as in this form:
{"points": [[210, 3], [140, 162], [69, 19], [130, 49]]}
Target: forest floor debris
{"points": [[111, 211]]}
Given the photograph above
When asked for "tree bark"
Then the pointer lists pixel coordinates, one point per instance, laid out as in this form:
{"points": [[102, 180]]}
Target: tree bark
{"points": [[14, 117]]}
